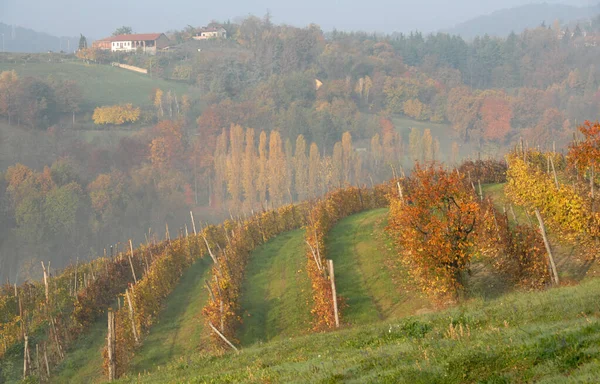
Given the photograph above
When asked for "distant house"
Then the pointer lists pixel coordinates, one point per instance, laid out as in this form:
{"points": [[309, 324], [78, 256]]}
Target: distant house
{"points": [[211, 33], [104, 44], [145, 42]]}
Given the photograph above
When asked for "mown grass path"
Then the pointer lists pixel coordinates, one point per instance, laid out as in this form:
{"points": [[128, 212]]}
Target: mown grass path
{"points": [[178, 331], [176, 334], [276, 293], [83, 362], [375, 286]]}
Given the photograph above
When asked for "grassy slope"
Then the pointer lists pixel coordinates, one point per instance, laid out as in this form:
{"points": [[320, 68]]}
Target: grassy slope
{"points": [[176, 334], [277, 293], [178, 331], [100, 84], [83, 362], [548, 337], [374, 287]]}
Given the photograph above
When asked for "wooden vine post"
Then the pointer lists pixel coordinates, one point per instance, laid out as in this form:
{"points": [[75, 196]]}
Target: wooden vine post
{"points": [[334, 293], [193, 223], [110, 344], [26, 357], [132, 317], [46, 282], [548, 249], [131, 261]]}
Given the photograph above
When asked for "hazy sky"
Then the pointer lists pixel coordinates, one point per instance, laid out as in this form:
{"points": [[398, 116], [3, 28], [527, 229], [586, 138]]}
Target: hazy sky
{"points": [[101, 17]]}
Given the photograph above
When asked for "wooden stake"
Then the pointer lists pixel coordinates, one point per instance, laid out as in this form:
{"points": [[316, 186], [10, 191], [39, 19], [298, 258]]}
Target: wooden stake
{"points": [[132, 317], [512, 211], [193, 223], [25, 353], [400, 192], [592, 180], [334, 293], [131, 261], [167, 233], [110, 339], [480, 190], [222, 337], [547, 244], [554, 171], [46, 361], [46, 282]]}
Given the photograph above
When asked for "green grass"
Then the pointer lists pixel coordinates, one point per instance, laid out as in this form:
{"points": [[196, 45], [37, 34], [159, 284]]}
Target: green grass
{"points": [[276, 294], [83, 362], [100, 84], [374, 286], [178, 332], [548, 337]]}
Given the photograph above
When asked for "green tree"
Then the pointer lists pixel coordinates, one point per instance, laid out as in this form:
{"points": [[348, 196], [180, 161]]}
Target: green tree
{"points": [[123, 31], [82, 42]]}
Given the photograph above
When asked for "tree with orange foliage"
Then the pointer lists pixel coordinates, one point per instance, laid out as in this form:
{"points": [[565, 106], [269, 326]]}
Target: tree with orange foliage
{"points": [[435, 227], [584, 154], [496, 113], [167, 148]]}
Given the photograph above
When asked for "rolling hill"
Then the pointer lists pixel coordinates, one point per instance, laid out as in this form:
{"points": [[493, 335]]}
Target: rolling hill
{"points": [[501, 23]]}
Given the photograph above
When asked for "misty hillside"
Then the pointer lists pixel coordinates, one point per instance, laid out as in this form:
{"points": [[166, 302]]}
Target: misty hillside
{"points": [[502, 22], [18, 39]]}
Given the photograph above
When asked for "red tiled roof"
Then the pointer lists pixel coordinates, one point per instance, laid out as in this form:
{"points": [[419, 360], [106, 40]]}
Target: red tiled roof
{"points": [[135, 37]]}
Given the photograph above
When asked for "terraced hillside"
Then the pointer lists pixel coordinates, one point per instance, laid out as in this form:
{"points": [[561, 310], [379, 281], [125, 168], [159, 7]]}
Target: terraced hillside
{"points": [[545, 337]]}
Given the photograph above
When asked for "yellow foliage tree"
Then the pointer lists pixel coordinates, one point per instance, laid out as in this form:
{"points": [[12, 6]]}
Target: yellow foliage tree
{"points": [[116, 114]]}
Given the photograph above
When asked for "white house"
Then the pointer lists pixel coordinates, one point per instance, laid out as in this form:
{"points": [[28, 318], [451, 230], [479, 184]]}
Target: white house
{"points": [[146, 42], [211, 33]]}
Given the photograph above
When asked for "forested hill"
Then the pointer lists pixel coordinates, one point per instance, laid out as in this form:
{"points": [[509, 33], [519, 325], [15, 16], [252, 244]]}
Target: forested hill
{"points": [[501, 23], [18, 39]]}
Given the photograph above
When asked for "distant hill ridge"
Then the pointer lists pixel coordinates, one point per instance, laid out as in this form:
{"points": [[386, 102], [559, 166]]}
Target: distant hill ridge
{"points": [[18, 39], [501, 23]]}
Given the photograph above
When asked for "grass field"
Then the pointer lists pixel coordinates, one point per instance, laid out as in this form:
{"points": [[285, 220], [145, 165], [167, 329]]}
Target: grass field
{"points": [[100, 84], [276, 295], [178, 332], [544, 337], [373, 285]]}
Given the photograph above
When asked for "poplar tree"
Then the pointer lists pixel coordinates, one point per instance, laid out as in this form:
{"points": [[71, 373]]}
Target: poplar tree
{"points": [[314, 163], [234, 164], [427, 143], [337, 166], [301, 168], [277, 169], [220, 161], [347, 154], [414, 142], [261, 182], [249, 170]]}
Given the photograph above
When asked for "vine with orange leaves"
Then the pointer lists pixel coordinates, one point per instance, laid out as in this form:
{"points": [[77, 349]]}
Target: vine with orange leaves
{"points": [[68, 312], [222, 311], [150, 292], [322, 217], [440, 224]]}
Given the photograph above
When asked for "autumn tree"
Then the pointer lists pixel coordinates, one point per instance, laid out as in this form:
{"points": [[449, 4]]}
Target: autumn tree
{"points": [[347, 157], [234, 164], [8, 86], [437, 229], [262, 180], [277, 179], [249, 170], [314, 164], [301, 169], [496, 114], [427, 143], [415, 145], [116, 115]]}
